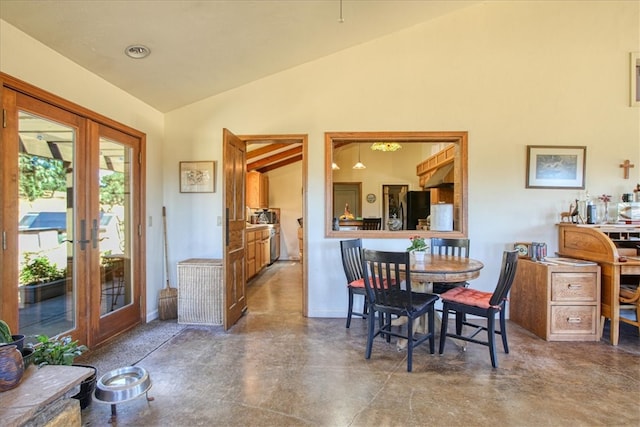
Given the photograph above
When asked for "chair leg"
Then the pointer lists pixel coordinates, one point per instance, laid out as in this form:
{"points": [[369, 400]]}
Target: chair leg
{"points": [[371, 323], [409, 343], [443, 327], [491, 333], [350, 312], [387, 321], [503, 330], [459, 320], [431, 319]]}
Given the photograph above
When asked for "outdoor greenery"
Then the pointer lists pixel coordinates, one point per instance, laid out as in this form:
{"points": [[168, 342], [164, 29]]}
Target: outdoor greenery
{"points": [[39, 269], [112, 190], [40, 177]]}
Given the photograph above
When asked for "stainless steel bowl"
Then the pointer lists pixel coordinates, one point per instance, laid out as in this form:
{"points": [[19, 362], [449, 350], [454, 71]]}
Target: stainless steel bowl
{"points": [[122, 384]]}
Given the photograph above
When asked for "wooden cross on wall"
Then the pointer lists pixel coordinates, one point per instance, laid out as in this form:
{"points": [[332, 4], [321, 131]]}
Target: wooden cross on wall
{"points": [[626, 166]]}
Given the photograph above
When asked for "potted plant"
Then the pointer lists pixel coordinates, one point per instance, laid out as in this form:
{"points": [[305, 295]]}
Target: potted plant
{"points": [[63, 351], [40, 279], [418, 247], [6, 338]]}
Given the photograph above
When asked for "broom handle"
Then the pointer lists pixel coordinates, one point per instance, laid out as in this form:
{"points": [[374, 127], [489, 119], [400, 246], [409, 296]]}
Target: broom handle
{"points": [[166, 245]]}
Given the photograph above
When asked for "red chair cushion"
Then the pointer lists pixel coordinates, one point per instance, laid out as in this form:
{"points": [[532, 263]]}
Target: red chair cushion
{"points": [[468, 296], [360, 283]]}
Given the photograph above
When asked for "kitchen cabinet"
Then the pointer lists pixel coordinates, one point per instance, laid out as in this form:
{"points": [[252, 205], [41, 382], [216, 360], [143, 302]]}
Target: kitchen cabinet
{"points": [[250, 253], [257, 190], [265, 248], [257, 250], [557, 302]]}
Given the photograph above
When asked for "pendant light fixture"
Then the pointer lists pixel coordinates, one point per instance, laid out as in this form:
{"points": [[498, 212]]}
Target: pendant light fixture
{"points": [[385, 146], [359, 165]]}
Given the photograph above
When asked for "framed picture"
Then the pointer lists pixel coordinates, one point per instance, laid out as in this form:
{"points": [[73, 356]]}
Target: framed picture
{"points": [[198, 177], [550, 166], [634, 94]]}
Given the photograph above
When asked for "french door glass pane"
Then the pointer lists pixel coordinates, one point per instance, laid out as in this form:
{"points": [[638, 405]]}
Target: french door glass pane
{"points": [[46, 181], [115, 218]]}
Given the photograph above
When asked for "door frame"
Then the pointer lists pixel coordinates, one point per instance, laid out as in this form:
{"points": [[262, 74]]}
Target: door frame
{"points": [[287, 139], [9, 220]]}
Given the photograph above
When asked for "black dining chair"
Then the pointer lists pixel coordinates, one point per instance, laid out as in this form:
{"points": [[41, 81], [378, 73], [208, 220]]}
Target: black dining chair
{"points": [[383, 283], [463, 301], [352, 265], [452, 247], [371, 223]]}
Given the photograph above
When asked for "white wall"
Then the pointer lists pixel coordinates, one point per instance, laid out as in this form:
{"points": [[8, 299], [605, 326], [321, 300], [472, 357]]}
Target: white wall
{"points": [[27, 59], [285, 192], [511, 73]]}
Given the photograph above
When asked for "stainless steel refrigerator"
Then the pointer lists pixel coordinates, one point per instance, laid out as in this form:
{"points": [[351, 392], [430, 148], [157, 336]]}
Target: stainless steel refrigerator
{"points": [[414, 205]]}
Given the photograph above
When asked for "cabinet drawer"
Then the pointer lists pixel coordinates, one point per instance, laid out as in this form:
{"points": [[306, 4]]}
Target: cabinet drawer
{"points": [[573, 286], [580, 319]]}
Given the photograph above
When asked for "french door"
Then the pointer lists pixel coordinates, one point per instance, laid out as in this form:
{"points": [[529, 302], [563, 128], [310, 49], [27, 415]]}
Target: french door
{"points": [[71, 222]]}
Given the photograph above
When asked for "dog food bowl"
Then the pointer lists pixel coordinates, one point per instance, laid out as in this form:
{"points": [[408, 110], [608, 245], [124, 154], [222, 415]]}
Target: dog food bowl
{"points": [[121, 385]]}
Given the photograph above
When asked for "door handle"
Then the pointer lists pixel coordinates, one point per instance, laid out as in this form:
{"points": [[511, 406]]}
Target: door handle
{"points": [[94, 234], [83, 235], [226, 222]]}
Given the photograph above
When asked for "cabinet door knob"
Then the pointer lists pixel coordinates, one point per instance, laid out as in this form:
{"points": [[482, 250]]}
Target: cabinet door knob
{"points": [[572, 286], [574, 320]]}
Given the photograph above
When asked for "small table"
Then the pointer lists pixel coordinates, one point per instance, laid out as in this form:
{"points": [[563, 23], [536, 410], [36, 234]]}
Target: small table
{"points": [[445, 268]]}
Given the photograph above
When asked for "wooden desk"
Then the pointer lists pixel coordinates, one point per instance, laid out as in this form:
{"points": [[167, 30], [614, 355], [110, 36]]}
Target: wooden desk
{"points": [[603, 244], [41, 398]]}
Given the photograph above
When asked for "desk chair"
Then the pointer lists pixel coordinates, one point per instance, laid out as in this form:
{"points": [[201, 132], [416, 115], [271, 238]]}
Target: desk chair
{"points": [[371, 223], [387, 298], [453, 247], [352, 265], [464, 301], [630, 300]]}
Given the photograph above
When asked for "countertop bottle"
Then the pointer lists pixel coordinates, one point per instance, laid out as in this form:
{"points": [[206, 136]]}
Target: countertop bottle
{"points": [[591, 212]]}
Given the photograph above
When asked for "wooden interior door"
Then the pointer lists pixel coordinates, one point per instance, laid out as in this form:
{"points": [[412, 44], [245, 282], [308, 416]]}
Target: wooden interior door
{"points": [[234, 159], [347, 193]]}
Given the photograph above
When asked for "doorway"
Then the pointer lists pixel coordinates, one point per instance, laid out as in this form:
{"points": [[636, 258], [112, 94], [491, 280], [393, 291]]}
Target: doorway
{"points": [[282, 146]]}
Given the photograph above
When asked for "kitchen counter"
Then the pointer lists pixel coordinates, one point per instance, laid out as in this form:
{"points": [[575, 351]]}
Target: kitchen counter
{"points": [[258, 227]]}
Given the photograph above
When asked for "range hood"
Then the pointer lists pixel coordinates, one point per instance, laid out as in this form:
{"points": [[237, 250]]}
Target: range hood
{"points": [[441, 177]]}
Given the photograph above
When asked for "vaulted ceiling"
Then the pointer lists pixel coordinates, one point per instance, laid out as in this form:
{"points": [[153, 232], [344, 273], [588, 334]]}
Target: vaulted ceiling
{"points": [[203, 48]]}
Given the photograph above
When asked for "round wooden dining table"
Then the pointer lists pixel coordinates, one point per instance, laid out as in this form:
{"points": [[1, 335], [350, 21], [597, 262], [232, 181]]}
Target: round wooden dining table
{"points": [[445, 268]]}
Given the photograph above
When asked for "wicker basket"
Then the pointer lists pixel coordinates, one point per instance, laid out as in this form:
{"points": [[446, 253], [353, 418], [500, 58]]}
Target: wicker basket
{"points": [[200, 291]]}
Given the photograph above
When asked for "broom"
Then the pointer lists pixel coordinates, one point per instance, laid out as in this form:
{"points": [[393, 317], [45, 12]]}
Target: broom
{"points": [[168, 304]]}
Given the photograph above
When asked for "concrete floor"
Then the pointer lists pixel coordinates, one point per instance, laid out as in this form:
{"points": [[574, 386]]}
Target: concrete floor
{"points": [[276, 368]]}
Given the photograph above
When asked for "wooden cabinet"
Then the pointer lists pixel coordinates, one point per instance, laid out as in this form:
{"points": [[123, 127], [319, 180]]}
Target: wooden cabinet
{"points": [[251, 253], [257, 187], [265, 249], [257, 250], [557, 302]]}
